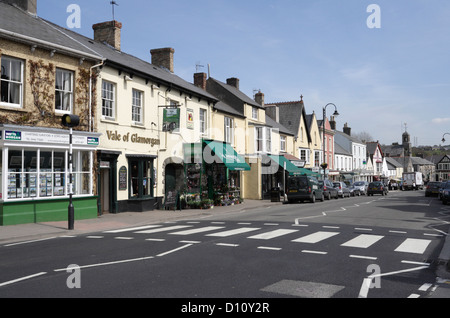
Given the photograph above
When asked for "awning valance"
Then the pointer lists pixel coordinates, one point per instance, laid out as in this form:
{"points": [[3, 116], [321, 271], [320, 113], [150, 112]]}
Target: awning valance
{"points": [[226, 155], [290, 167]]}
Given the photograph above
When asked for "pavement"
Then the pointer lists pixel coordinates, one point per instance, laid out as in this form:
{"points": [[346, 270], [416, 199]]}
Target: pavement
{"points": [[41, 231]]}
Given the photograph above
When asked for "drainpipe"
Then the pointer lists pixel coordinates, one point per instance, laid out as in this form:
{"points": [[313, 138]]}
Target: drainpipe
{"points": [[90, 93]]}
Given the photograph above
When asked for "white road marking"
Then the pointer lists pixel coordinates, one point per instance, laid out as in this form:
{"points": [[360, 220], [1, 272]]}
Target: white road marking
{"points": [[363, 241], [234, 232], [22, 279], [269, 248], [316, 237], [133, 229], [164, 229], [272, 234], [199, 230], [314, 252], [414, 246], [174, 250], [227, 245], [364, 257], [29, 242]]}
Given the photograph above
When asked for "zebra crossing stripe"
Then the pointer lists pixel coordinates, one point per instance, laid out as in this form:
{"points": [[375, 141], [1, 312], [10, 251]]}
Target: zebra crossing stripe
{"points": [[414, 246], [234, 232], [164, 229], [272, 234], [199, 230], [363, 241], [316, 237]]}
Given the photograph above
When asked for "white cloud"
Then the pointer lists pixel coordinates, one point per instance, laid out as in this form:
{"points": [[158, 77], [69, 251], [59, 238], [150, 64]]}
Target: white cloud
{"points": [[440, 120]]}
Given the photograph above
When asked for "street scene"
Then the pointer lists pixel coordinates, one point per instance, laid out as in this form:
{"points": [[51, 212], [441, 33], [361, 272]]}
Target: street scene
{"points": [[212, 162]]}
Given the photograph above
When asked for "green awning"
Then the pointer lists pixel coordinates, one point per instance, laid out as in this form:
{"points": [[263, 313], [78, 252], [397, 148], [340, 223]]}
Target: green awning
{"points": [[290, 167], [226, 155]]}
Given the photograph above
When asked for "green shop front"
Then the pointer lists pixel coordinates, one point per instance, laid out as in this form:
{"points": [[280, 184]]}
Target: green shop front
{"points": [[34, 174], [213, 172]]}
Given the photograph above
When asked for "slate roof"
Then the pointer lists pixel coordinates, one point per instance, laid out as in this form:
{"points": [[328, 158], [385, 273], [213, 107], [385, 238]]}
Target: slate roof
{"points": [[341, 151], [291, 114], [27, 26], [20, 26]]}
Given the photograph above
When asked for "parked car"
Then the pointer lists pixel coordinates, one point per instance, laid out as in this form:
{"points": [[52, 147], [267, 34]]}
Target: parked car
{"points": [[354, 191], [362, 186], [446, 193], [343, 191], [302, 188], [329, 191], [441, 190], [376, 187], [432, 189]]}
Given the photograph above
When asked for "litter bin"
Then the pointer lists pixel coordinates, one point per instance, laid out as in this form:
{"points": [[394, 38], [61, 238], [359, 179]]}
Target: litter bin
{"points": [[275, 195]]}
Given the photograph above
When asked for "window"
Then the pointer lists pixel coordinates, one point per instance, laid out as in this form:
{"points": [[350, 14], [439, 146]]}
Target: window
{"points": [[137, 107], [64, 91], [108, 100], [229, 130], [44, 173], [263, 139], [259, 139], [304, 155], [283, 143], [141, 177], [11, 87], [268, 140], [202, 121], [254, 113]]}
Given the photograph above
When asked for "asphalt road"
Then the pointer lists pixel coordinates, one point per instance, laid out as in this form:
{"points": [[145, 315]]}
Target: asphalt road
{"points": [[363, 247]]}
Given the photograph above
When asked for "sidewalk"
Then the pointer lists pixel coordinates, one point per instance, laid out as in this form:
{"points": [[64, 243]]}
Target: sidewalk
{"points": [[26, 232]]}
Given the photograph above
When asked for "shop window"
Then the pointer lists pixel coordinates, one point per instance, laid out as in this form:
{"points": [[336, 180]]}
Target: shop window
{"points": [[45, 174], [141, 178], [11, 82]]}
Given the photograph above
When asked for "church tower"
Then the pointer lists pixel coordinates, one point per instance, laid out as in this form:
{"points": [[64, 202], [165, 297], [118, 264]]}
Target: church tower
{"points": [[407, 144]]}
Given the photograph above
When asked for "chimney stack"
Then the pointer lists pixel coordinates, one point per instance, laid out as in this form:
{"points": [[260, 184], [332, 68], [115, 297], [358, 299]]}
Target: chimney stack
{"points": [[273, 111], [347, 130], [259, 98], [233, 82], [108, 32], [200, 80], [163, 58], [28, 5]]}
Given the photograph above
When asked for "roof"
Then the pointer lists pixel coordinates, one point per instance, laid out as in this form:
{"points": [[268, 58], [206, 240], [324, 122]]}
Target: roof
{"points": [[393, 162], [230, 94], [291, 114], [338, 150], [272, 123], [21, 26]]}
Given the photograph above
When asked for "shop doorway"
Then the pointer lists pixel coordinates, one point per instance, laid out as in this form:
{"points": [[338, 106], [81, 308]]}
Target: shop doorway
{"points": [[105, 186], [174, 179]]}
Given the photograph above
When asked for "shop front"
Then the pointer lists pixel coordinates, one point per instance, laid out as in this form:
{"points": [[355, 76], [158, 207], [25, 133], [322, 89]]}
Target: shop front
{"points": [[34, 167], [213, 172]]}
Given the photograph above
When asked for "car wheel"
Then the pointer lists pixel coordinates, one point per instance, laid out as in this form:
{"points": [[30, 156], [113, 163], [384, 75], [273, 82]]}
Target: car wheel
{"points": [[313, 198]]}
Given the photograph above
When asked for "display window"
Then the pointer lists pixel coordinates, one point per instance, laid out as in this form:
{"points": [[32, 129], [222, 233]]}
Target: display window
{"points": [[44, 173]]}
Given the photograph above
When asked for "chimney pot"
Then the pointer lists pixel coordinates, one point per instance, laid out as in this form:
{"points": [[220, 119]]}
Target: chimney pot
{"points": [[163, 58], [108, 32], [347, 130]]}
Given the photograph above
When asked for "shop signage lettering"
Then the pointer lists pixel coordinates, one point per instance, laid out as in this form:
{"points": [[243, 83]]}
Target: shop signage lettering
{"points": [[13, 135], [41, 137], [134, 138]]}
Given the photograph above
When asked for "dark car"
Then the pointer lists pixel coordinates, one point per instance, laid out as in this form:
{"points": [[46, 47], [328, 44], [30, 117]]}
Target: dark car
{"points": [[377, 188], [329, 191], [342, 189], [301, 188], [432, 189], [446, 193]]}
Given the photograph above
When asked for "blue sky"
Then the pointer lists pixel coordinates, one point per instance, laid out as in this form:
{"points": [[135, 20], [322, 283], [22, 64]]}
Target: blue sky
{"points": [[379, 78]]}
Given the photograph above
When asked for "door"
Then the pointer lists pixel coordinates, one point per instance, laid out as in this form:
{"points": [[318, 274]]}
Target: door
{"points": [[105, 190]]}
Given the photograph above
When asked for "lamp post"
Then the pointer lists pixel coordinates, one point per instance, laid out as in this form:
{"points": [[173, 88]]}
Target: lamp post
{"points": [[443, 137], [71, 121], [324, 138]]}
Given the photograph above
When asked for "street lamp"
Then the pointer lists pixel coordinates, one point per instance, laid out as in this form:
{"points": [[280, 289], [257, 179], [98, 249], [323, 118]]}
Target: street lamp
{"points": [[71, 121], [443, 139], [324, 138]]}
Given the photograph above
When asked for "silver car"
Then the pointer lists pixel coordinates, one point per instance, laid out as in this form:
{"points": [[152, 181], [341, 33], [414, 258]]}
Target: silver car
{"points": [[361, 186], [343, 191]]}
